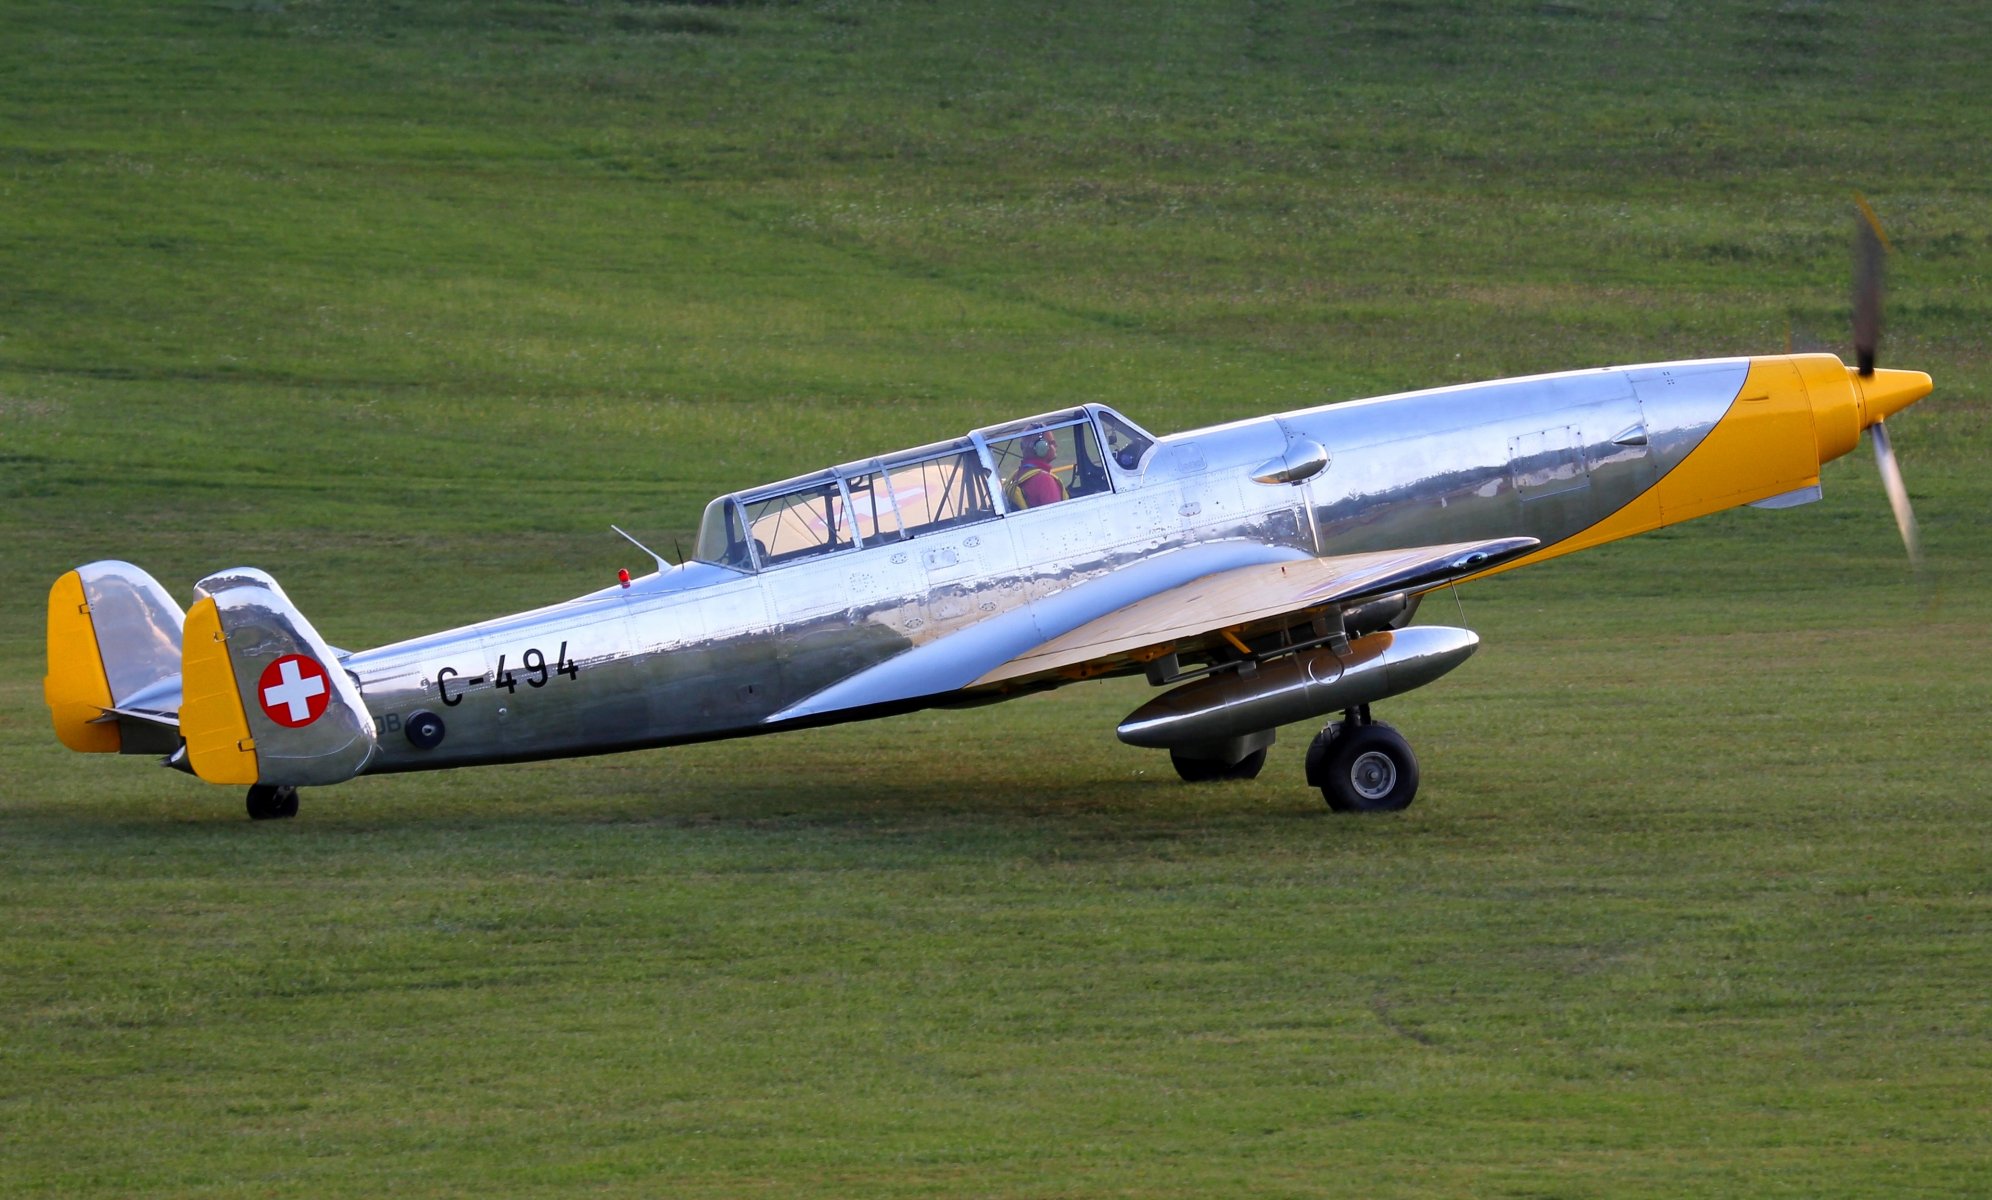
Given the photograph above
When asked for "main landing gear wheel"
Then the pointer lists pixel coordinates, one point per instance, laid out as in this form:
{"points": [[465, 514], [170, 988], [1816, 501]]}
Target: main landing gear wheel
{"points": [[1211, 770], [268, 802], [1363, 766]]}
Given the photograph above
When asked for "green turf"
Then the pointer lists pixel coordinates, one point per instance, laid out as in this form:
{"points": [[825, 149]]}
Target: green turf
{"points": [[405, 302]]}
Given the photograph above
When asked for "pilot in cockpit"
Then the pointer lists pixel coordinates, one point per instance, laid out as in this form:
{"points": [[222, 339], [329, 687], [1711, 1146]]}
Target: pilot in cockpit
{"points": [[1036, 484]]}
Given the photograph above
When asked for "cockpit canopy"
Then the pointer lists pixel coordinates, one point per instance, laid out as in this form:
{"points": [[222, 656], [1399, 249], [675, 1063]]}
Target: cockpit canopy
{"points": [[990, 473]]}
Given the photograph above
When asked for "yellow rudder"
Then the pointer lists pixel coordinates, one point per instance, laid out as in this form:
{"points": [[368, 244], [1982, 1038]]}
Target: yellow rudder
{"points": [[211, 718], [77, 689]]}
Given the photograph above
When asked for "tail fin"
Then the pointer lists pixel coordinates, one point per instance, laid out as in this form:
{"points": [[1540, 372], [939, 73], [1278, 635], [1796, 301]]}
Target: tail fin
{"points": [[266, 699], [113, 681]]}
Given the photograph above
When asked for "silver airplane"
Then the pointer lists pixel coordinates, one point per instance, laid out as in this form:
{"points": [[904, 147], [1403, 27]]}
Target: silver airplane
{"points": [[1264, 572]]}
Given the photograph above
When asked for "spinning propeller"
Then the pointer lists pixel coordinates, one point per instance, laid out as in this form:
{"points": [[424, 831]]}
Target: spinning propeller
{"points": [[1870, 244]]}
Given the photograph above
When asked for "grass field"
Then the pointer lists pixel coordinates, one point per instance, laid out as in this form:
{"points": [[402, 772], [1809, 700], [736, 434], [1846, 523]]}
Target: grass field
{"points": [[405, 302]]}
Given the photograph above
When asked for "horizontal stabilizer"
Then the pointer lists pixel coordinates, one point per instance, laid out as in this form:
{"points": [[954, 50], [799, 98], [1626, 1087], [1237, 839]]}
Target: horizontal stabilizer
{"points": [[113, 681], [267, 700]]}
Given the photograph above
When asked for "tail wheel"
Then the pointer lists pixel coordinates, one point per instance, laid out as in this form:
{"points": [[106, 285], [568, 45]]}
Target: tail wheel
{"points": [[1363, 767], [267, 802]]}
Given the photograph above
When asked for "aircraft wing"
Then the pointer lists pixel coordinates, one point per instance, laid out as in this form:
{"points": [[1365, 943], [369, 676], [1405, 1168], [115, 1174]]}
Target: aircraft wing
{"points": [[1193, 592], [1248, 594]]}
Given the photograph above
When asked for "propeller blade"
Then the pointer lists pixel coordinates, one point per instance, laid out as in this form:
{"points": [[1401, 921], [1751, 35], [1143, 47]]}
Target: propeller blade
{"points": [[1898, 492], [1869, 244]]}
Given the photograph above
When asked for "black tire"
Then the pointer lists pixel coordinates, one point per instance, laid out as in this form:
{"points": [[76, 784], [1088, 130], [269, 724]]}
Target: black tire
{"points": [[1363, 768], [1211, 770], [267, 802]]}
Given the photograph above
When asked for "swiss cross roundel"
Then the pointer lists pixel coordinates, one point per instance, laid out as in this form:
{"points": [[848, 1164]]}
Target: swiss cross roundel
{"points": [[294, 691]]}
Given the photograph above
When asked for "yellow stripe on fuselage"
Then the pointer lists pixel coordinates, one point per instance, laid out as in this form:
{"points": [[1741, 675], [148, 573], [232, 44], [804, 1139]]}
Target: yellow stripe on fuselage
{"points": [[211, 717], [76, 687], [1793, 413]]}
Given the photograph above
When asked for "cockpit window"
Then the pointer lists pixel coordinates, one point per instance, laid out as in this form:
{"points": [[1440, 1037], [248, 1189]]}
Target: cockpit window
{"points": [[721, 539], [800, 523], [1047, 461], [933, 491], [1126, 443], [1032, 463], [871, 509]]}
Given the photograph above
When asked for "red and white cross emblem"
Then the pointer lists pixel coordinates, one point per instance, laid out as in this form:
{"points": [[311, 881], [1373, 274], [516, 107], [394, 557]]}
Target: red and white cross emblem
{"points": [[294, 691]]}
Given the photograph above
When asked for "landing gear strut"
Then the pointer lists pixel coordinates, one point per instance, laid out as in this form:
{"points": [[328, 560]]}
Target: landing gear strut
{"points": [[268, 802], [1362, 765]]}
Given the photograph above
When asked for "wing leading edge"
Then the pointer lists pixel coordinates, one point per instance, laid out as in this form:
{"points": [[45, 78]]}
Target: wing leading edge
{"points": [[1243, 595], [1192, 593]]}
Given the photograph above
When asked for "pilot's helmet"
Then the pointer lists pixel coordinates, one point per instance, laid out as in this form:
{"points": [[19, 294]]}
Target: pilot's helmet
{"points": [[1040, 442]]}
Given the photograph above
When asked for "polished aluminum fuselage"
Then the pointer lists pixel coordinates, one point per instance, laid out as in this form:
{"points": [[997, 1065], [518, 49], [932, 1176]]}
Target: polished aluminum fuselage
{"points": [[701, 651]]}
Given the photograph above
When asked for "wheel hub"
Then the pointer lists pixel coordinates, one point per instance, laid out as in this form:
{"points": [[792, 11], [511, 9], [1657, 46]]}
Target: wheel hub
{"points": [[1373, 775]]}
